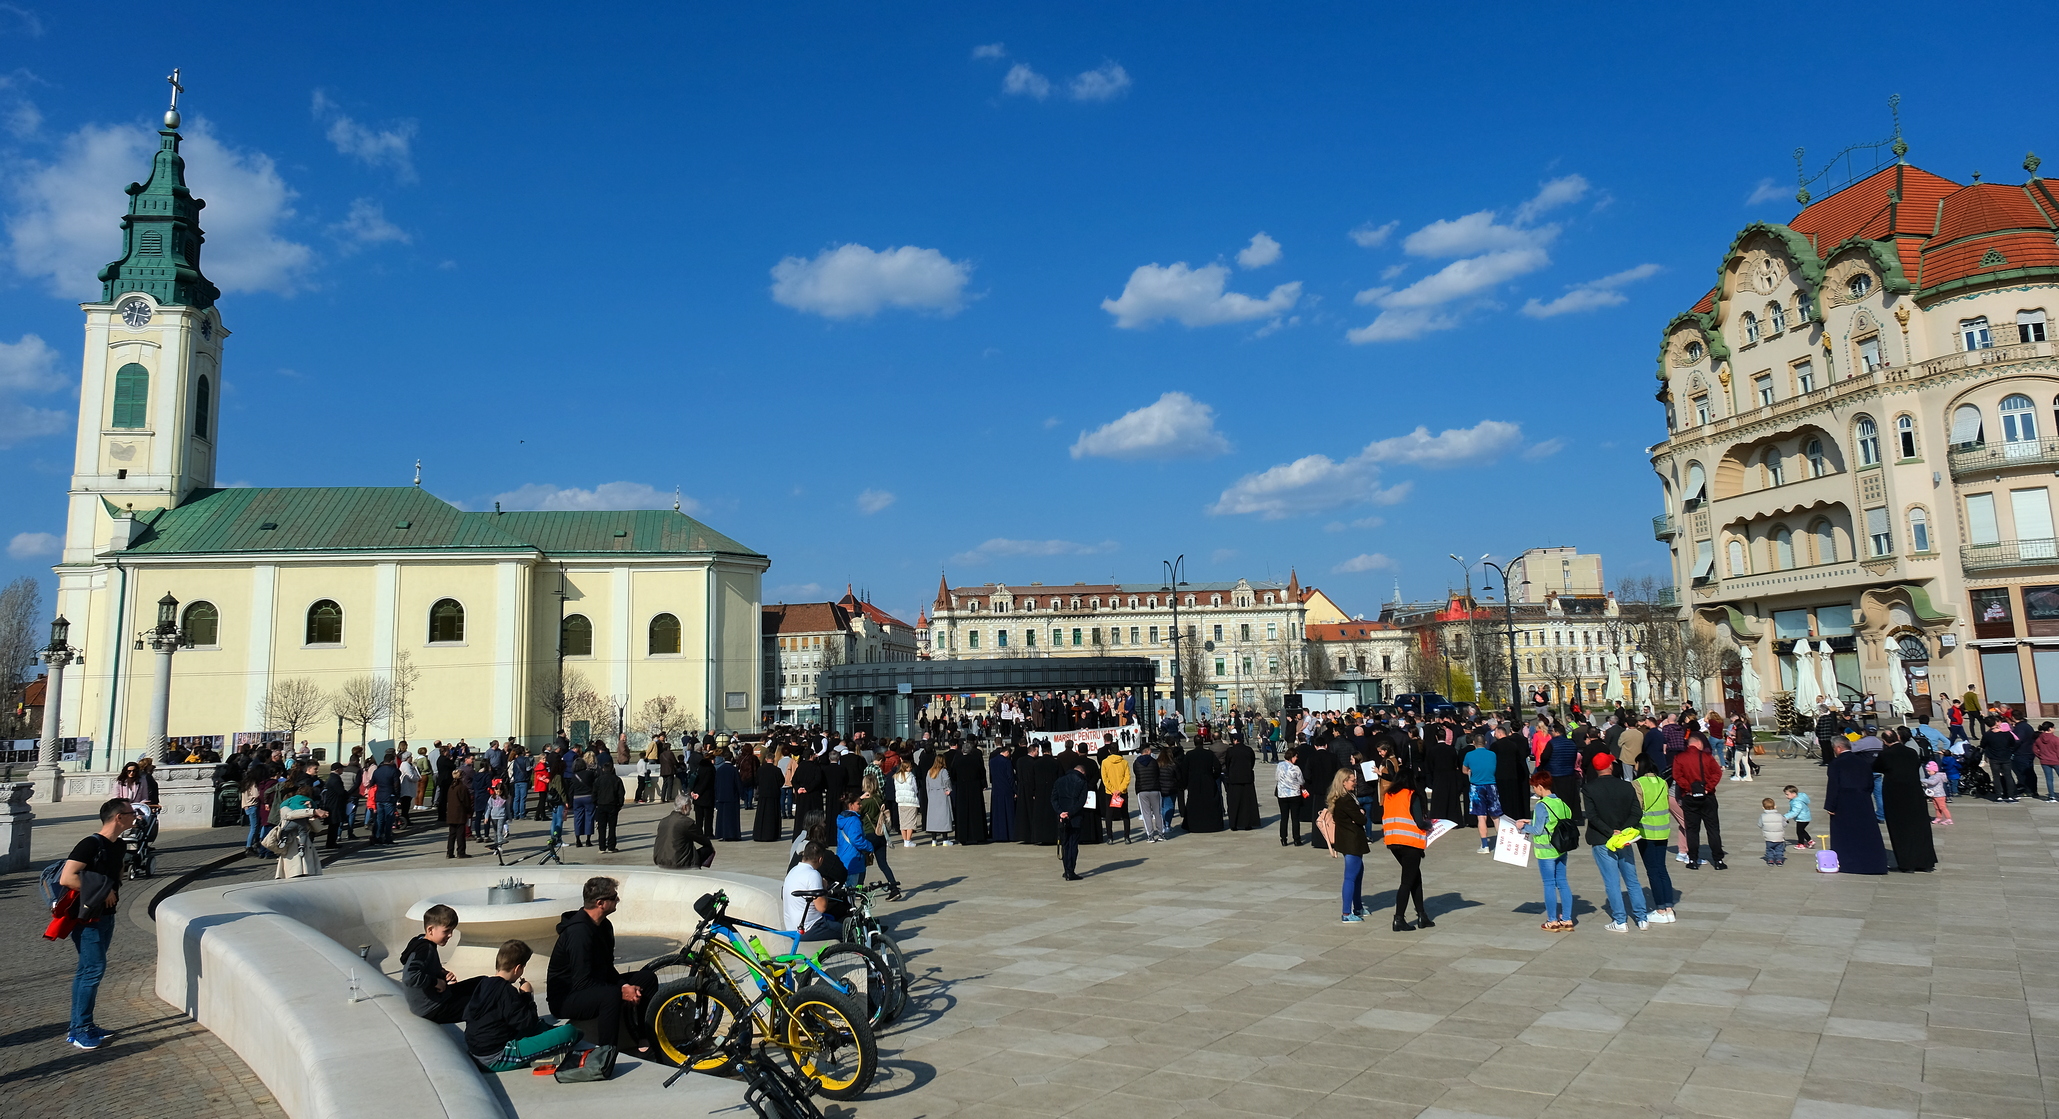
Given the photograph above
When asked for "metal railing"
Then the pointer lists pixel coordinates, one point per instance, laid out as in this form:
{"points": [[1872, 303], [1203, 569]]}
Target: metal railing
{"points": [[1981, 457], [2009, 553]]}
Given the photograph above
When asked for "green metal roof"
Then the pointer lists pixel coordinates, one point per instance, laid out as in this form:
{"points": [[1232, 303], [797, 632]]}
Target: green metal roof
{"points": [[406, 518]]}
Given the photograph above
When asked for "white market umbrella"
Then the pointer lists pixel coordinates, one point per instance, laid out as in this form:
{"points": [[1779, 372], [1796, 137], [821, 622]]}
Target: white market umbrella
{"points": [[1897, 682], [1753, 697], [1826, 663], [1806, 689]]}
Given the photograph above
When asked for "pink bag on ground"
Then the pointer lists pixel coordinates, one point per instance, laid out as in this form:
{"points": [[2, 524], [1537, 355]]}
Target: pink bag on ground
{"points": [[1826, 862]]}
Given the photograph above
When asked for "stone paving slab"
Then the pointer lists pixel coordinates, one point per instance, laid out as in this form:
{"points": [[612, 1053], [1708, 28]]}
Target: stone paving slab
{"points": [[1209, 976]]}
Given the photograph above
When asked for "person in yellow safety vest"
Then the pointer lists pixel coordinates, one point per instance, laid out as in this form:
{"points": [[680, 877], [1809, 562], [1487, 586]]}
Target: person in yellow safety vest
{"points": [[1656, 824]]}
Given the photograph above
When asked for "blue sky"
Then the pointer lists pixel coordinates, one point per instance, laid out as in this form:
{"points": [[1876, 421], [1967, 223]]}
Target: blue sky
{"points": [[1044, 294]]}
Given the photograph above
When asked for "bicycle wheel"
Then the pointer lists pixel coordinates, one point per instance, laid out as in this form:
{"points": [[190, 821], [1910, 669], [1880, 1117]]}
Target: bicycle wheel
{"points": [[862, 972], [829, 1043], [689, 1018], [890, 951]]}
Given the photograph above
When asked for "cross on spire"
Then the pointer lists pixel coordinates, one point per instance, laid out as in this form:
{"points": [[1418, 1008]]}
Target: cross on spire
{"points": [[177, 89]]}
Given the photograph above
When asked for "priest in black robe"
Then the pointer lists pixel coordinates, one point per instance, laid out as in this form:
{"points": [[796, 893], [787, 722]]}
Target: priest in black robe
{"points": [[1848, 797], [1447, 783], [968, 769], [1204, 790], [1512, 775], [1318, 768], [1043, 776], [808, 791], [765, 828], [1240, 785], [1020, 759], [1907, 810], [1001, 776]]}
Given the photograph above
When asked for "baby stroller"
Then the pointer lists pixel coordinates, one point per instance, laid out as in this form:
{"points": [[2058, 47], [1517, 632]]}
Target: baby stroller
{"points": [[1974, 779], [139, 844]]}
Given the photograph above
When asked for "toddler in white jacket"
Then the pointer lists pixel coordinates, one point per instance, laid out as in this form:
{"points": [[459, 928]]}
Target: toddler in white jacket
{"points": [[1773, 828]]}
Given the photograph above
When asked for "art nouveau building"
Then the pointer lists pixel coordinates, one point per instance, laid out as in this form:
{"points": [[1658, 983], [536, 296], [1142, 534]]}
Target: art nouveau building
{"points": [[1860, 450], [327, 584], [1250, 636]]}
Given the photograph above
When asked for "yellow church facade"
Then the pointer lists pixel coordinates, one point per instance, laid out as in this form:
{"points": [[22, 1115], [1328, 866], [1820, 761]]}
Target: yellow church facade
{"points": [[477, 618]]}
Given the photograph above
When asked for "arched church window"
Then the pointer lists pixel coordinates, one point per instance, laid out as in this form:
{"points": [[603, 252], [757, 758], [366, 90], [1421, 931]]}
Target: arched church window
{"points": [[202, 624], [664, 635], [131, 396], [446, 621], [203, 402], [325, 623], [575, 637]]}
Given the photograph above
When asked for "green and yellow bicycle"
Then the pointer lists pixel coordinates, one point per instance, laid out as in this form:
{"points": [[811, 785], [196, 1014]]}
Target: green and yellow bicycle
{"points": [[736, 988]]}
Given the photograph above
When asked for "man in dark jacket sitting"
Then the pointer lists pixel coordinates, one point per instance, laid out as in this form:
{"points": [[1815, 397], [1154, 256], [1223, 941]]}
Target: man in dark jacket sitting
{"points": [[582, 981], [680, 843]]}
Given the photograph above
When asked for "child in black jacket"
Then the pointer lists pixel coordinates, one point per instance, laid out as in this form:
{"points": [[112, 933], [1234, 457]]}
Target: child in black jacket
{"points": [[502, 1028]]}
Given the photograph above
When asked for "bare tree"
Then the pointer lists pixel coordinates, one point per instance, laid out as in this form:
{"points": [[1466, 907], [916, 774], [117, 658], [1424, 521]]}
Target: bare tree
{"points": [[292, 706], [582, 704], [405, 676], [362, 701], [665, 715], [21, 608], [1193, 665]]}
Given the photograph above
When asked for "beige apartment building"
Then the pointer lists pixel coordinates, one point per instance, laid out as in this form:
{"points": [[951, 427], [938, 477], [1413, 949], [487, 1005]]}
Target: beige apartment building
{"points": [[1861, 450]]}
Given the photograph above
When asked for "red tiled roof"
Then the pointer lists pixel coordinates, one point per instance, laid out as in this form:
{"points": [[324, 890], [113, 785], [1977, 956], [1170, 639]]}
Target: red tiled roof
{"points": [[805, 617], [1347, 631], [854, 604], [32, 693]]}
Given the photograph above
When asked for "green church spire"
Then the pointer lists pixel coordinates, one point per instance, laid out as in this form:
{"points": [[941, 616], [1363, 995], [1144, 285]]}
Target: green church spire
{"points": [[161, 235]]}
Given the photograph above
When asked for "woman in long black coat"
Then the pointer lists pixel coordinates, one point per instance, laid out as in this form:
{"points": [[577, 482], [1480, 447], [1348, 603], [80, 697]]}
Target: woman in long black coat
{"points": [[1447, 784], [1204, 792], [1908, 814], [1318, 767], [1848, 797], [1001, 772], [766, 827]]}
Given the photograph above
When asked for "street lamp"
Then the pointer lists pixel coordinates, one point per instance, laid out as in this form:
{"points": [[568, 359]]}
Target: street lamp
{"points": [[47, 776], [1174, 568], [1508, 611], [164, 638], [1472, 654]]}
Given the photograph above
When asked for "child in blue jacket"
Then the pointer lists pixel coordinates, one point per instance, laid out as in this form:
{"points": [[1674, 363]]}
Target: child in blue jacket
{"points": [[852, 844], [1798, 811]]}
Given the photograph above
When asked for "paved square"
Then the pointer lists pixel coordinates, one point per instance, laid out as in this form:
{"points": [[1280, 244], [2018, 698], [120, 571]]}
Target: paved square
{"points": [[1210, 976]]}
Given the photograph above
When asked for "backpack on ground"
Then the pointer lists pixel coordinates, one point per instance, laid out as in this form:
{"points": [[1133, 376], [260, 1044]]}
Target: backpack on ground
{"points": [[597, 1063], [1826, 861]]}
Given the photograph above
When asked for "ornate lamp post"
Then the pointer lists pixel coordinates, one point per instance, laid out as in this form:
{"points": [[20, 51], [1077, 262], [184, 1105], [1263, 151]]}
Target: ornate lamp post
{"points": [[1174, 568], [1508, 611], [164, 638], [47, 776]]}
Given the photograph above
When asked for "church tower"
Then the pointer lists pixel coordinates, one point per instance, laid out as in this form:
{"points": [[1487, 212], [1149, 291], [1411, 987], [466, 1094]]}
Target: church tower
{"points": [[150, 389]]}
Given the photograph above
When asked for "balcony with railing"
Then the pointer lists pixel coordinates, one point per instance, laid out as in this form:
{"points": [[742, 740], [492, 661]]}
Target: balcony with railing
{"points": [[1663, 528], [2009, 553], [1982, 458]]}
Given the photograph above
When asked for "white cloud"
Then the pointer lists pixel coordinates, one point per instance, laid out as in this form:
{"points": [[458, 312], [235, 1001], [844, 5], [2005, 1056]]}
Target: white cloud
{"points": [[1262, 251], [1592, 295], [391, 146], [29, 545], [367, 225], [1176, 426], [1370, 561], [1021, 81], [1545, 449], [1413, 311], [872, 501], [795, 591], [1766, 191], [607, 495], [64, 223], [1392, 270], [18, 18], [1458, 446], [1105, 82], [1362, 522], [28, 367], [1562, 191], [990, 50], [1370, 236], [1316, 483], [1192, 297], [1002, 546], [852, 281], [1473, 233]]}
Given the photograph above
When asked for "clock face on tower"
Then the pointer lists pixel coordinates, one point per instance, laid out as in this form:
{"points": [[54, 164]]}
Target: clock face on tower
{"points": [[135, 312], [206, 328]]}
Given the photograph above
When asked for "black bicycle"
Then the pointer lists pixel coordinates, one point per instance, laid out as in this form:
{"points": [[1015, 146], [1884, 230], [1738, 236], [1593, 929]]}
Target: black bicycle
{"points": [[769, 1090]]}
